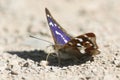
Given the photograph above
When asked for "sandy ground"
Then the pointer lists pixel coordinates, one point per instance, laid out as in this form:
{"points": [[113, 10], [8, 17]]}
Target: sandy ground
{"points": [[20, 56]]}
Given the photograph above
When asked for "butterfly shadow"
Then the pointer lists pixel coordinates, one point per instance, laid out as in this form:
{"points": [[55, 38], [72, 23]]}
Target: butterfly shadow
{"points": [[72, 62], [35, 55], [39, 55]]}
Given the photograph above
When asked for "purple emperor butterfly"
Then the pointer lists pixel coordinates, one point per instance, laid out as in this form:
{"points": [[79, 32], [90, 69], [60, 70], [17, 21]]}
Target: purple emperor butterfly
{"points": [[67, 46]]}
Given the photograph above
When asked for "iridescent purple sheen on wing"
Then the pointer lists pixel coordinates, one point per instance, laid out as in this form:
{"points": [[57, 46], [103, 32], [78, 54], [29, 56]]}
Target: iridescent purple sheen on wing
{"points": [[60, 37]]}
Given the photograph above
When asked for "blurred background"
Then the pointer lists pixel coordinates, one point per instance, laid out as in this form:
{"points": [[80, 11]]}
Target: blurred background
{"points": [[20, 55], [19, 18]]}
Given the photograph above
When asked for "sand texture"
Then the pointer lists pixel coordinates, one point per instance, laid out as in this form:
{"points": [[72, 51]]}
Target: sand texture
{"points": [[21, 56]]}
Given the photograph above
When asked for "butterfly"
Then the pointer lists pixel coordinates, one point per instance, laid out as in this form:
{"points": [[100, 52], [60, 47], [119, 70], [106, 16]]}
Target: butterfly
{"points": [[68, 47]]}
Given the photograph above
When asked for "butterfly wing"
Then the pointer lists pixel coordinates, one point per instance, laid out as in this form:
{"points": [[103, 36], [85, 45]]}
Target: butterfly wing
{"points": [[59, 34], [82, 45], [73, 47]]}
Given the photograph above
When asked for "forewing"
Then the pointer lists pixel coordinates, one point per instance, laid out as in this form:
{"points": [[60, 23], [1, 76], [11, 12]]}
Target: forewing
{"points": [[59, 34]]}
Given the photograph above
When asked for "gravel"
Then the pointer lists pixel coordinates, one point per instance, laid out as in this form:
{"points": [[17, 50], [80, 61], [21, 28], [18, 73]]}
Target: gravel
{"points": [[24, 58]]}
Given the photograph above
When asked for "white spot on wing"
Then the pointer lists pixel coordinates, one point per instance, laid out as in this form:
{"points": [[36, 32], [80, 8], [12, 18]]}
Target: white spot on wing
{"points": [[51, 24], [76, 38], [82, 51], [87, 42], [55, 24], [89, 38], [85, 36], [70, 43], [78, 44], [48, 15], [91, 44], [65, 40], [61, 36], [80, 40]]}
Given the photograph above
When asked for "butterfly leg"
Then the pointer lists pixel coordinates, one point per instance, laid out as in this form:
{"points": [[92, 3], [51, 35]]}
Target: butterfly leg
{"points": [[59, 59], [47, 56], [49, 51]]}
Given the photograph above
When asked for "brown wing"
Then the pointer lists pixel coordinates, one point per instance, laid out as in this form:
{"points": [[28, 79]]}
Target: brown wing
{"points": [[82, 45]]}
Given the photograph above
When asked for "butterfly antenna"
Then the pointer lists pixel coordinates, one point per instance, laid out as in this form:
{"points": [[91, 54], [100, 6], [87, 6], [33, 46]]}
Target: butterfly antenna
{"points": [[45, 41], [41, 39]]}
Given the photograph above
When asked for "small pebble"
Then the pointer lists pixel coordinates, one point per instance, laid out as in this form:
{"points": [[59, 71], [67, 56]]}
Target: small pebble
{"points": [[44, 63]]}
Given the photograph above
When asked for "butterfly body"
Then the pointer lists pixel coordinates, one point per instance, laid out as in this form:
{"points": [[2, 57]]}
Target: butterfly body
{"points": [[68, 47]]}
